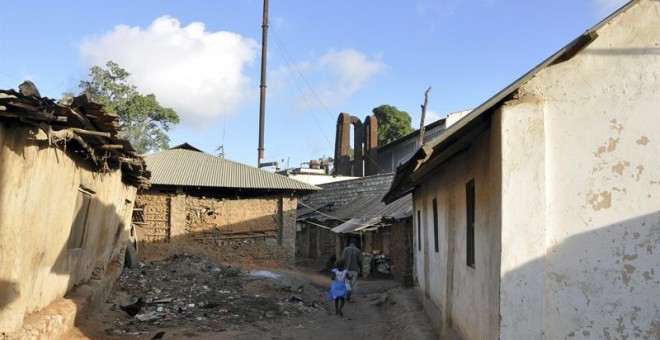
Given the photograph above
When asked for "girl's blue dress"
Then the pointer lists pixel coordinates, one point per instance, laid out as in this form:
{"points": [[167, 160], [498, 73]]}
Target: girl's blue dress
{"points": [[338, 289]]}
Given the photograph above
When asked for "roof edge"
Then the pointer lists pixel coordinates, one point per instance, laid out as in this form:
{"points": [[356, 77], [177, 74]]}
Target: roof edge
{"points": [[419, 159]]}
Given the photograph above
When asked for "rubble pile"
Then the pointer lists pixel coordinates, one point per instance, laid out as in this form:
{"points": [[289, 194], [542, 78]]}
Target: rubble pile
{"points": [[205, 296]]}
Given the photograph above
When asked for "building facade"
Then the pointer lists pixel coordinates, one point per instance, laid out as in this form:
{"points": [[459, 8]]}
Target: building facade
{"points": [[537, 216]]}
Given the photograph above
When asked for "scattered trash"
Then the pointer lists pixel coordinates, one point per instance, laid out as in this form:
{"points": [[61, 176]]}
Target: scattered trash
{"points": [[205, 296], [134, 308], [265, 273], [148, 316]]}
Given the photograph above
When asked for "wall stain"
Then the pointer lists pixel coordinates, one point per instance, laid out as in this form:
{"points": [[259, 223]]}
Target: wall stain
{"points": [[640, 169], [643, 140], [620, 167], [601, 200], [611, 145], [620, 326], [615, 126], [648, 275], [628, 270], [608, 147], [630, 257]]}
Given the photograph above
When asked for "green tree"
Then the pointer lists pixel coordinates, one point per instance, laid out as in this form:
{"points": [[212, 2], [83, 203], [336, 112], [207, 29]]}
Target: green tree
{"points": [[143, 121], [392, 123]]}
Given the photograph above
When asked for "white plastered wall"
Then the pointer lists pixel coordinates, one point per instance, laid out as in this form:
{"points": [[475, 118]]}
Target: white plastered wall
{"points": [[467, 297], [598, 117]]}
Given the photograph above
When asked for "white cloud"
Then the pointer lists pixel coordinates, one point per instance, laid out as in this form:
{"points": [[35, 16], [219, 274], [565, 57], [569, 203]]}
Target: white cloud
{"points": [[198, 73], [337, 76], [606, 7], [352, 70]]}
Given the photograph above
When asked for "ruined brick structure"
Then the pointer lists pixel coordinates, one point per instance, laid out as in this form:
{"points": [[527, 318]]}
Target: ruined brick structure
{"points": [[251, 231], [365, 143]]}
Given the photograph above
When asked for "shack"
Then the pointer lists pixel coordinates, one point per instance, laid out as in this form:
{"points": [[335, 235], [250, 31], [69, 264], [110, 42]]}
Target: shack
{"points": [[67, 190]]}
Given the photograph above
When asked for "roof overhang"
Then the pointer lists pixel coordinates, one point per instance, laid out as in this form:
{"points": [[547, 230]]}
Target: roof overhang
{"points": [[458, 136], [357, 225]]}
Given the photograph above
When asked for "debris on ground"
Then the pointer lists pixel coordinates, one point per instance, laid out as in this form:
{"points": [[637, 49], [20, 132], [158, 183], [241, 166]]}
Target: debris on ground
{"points": [[204, 296], [377, 299]]}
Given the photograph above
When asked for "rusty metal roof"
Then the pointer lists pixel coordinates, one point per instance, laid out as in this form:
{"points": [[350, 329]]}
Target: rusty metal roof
{"points": [[185, 165]]}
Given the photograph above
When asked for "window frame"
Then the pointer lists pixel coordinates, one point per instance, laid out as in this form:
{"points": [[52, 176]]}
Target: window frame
{"points": [[78, 229], [435, 224], [470, 198], [419, 230]]}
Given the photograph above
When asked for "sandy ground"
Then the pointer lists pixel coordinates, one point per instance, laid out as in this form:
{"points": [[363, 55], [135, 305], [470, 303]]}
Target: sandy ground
{"points": [[191, 297]]}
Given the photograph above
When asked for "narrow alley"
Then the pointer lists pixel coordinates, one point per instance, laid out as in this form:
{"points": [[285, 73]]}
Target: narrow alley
{"points": [[189, 296]]}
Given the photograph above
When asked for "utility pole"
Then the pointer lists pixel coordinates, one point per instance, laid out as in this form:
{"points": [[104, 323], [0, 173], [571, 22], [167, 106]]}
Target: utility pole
{"points": [[262, 99]]}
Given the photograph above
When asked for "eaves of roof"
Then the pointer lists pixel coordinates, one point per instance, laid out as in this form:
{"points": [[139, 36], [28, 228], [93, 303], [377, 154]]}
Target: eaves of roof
{"points": [[455, 138], [77, 125]]}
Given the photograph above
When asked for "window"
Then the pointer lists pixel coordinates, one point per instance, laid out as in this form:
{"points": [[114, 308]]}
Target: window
{"points": [[80, 219], [469, 195], [435, 222], [419, 230]]}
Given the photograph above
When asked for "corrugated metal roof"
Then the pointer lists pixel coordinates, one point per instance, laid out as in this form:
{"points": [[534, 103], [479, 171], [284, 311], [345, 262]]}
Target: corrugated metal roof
{"points": [[183, 166], [368, 206], [369, 210], [356, 224]]}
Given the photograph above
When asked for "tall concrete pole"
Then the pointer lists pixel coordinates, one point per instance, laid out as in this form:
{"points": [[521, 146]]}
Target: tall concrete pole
{"points": [[262, 99]]}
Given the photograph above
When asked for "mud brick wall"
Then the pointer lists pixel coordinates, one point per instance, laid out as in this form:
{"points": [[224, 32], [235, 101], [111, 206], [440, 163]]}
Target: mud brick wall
{"points": [[400, 255], [157, 218], [253, 231], [315, 242]]}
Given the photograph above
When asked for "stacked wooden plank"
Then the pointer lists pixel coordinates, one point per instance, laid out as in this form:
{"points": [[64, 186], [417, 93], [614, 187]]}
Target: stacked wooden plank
{"points": [[79, 126]]}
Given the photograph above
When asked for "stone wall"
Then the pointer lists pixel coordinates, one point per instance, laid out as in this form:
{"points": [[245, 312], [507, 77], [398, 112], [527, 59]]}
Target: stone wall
{"points": [[252, 231]]}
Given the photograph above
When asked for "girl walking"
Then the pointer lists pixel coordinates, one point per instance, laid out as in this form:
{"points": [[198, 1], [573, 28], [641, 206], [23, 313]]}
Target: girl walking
{"points": [[338, 288]]}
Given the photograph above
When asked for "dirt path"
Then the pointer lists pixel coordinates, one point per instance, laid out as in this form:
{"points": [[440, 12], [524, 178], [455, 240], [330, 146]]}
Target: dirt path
{"points": [[257, 304]]}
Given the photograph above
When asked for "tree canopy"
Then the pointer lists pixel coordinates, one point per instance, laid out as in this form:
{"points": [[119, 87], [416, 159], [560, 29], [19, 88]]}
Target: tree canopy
{"points": [[392, 123], [143, 121]]}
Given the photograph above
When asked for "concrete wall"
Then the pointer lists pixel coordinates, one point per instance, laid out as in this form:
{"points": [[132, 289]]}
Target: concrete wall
{"points": [[523, 220], [39, 186], [252, 231], [593, 199], [466, 298]]}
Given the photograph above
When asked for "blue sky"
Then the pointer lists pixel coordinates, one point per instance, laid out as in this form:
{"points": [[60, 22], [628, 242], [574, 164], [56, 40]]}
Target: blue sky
{"points": [[202, 58]]}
